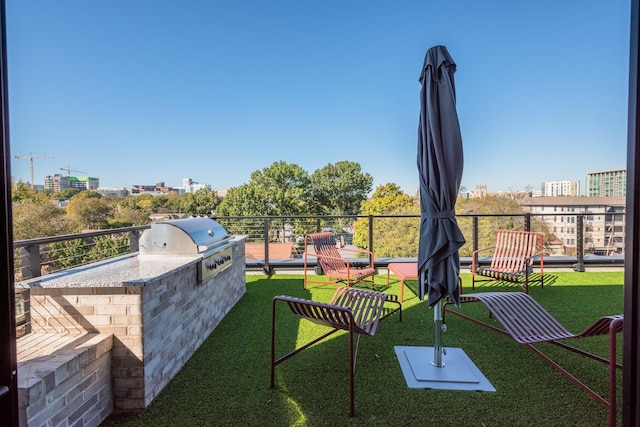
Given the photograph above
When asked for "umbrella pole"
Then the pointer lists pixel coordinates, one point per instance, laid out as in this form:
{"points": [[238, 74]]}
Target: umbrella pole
{"points": [[437, 336]]}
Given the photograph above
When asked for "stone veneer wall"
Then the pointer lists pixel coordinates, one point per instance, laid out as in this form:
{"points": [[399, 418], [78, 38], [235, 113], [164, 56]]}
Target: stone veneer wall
{"points": [[157, 327], [67, 386]]}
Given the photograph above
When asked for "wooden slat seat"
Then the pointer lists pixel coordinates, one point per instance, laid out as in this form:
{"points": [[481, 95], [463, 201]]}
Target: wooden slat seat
{"points": [[528, 323], [354, 310], [512, 259], [337, 268]]}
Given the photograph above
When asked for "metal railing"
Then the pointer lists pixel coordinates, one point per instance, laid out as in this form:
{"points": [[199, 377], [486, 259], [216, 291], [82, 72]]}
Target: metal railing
{"points": [[36, 257]]}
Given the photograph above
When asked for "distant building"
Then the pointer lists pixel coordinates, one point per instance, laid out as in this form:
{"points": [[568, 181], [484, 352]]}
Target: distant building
{"points": [[191, 186], [58, 182], [604, 225], [159, 189], [561, 188], [113, 191], [481, 191], [607, 183]]}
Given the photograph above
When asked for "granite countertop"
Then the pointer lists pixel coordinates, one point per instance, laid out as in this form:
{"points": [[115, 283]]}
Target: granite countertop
{"points": [[127, 270]]}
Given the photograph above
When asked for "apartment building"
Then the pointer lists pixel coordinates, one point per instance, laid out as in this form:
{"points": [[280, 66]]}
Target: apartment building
{"points": [[59, 182], [604, 222], [607, 183], [191, 186], [561, 188]]}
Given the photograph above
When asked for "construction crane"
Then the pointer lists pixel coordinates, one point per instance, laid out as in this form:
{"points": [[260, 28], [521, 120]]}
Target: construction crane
{"points": [[30, 156], [69, 170]]}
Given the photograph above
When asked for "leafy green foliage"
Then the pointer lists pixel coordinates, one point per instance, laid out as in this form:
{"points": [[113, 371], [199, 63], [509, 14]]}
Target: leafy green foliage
{"points": [[498, 210], [394, 237], [62, 255], [202, 202], [340, 188], [33, 218], [90, 210]]}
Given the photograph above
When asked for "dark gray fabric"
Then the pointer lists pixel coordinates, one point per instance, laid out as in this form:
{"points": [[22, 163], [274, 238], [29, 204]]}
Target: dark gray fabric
{"points": [[440, 162]]}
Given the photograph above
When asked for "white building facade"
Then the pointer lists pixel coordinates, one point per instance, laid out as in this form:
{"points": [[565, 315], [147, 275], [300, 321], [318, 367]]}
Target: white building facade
{"points": [[603, 228], [561, 188]]}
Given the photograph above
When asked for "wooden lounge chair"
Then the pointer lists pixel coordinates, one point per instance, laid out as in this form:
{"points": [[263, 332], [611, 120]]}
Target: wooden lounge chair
{"points": [[354, 310], [528, 323], [338, 269], [512, 259]]}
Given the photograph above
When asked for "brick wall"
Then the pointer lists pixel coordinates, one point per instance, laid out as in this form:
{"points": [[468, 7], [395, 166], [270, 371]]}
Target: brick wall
{"points": [[156, 326], [68, 386]]}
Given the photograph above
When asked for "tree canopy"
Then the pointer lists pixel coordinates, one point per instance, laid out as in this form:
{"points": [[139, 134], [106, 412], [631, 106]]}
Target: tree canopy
{"points": [[394, 237], [340, 188]]}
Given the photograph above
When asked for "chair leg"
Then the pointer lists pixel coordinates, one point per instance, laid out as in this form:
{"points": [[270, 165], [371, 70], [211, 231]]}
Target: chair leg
{"points": [[352, 403]]}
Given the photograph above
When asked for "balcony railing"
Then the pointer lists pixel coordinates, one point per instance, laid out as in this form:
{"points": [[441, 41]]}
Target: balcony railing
{"points": [[36, 257]]}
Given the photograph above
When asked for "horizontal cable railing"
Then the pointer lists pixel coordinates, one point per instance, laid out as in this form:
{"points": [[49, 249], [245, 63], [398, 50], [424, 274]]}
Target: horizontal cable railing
{"points": [[388, 236]]}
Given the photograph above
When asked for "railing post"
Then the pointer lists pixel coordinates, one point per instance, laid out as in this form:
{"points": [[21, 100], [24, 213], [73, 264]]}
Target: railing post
{"points": [[134, 241], [527, 222], [371, 260], [474, 238], [318, 228], [579, 266], [30, 256], [266, 268]]}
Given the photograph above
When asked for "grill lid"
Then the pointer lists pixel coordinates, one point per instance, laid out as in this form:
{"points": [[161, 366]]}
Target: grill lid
{"points": [[182, 236]]}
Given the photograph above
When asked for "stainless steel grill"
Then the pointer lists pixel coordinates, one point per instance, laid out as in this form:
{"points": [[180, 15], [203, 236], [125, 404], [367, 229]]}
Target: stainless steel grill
{"points": [[198, 235]]}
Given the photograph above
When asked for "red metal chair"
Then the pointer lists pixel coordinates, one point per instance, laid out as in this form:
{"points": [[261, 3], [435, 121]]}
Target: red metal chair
{"points": [[337, 268], [354, 310], [528, 323], [512, 259]]}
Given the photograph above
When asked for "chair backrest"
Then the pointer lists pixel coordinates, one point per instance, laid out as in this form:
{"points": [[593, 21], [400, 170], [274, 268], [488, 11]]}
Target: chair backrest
{"points": [[325, 246], [515, 250]]}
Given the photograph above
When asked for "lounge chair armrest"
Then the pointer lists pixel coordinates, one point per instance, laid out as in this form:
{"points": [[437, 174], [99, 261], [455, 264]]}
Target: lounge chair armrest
{"points": [[362, 251], [482, 250]]}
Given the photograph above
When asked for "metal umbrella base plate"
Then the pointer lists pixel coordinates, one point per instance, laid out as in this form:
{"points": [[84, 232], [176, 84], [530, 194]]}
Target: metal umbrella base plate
{"points": [[458, 372]]}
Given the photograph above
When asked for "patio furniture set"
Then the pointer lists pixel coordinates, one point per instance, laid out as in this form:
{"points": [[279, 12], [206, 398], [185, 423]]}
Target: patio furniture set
{"points": [[359, 311]]}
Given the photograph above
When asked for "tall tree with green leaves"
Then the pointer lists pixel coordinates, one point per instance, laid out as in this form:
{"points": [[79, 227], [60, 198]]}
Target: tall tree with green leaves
{"points": [[340, 188], [90, 210], [393, 237], [202, 202], [281, 189]]}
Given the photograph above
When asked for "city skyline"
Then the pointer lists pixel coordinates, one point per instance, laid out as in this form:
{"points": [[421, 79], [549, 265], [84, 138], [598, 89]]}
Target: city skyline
{"points": [[213, 187], [216, 91]]}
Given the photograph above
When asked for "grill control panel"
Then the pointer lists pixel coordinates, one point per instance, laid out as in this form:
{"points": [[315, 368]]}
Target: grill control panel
{"points": [[215, 263]]}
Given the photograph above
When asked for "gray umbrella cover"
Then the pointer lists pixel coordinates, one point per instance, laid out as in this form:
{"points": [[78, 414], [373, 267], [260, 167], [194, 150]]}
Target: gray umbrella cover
{"points": [[440, 163]]}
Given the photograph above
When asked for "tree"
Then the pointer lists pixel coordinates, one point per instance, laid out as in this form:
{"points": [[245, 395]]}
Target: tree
{"points": [[497, 209], [22, 192], [33, 219], [394, 237], [281, 189], [90, 210], [126, 217], [339, 189], [202, 202], [66, 194]]}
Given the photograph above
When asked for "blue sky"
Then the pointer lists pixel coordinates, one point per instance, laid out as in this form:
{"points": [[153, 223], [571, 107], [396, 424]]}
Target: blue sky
{"points": [[138, 92]]}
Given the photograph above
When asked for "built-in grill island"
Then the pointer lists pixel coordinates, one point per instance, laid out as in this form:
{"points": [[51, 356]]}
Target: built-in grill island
{"points": [[160, 304], [200, 235]]}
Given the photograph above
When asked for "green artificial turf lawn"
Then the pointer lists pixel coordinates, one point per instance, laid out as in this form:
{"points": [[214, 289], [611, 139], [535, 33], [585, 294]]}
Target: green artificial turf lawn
{"points": [[226, 382]]}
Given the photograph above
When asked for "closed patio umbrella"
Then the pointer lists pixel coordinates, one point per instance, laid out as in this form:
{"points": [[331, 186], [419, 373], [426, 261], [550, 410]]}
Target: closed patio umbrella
{"points": [[440, 161], [440, 169]]}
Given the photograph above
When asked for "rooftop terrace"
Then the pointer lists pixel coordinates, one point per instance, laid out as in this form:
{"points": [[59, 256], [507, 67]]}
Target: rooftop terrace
{"points": [[226, 381]]}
